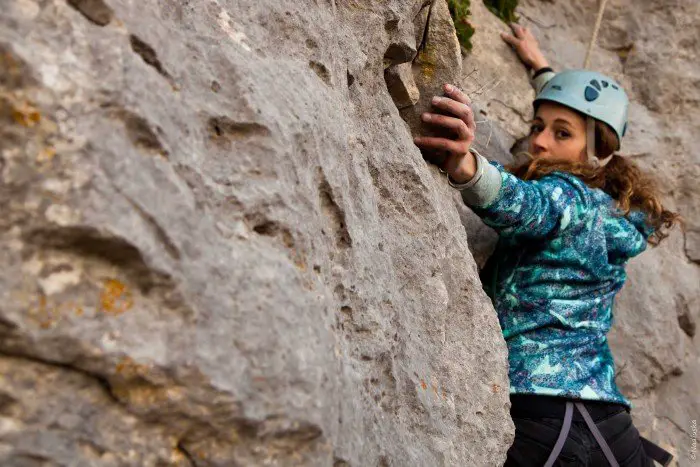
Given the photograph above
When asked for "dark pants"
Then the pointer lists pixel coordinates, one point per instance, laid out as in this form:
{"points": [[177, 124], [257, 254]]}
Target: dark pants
{"points": [[538, 421]]}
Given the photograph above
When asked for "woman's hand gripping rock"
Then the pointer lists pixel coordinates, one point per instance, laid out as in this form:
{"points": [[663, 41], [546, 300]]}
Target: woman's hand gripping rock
{"points": [[460, 164]]}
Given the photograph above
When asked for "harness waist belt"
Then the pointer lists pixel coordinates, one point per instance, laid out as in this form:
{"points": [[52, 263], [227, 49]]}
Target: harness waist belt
{"points": [[534, 406]]}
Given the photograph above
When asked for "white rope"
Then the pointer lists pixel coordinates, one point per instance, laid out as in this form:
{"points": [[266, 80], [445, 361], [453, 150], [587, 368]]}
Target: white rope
{"points": [[590, 122], [594, 37]]}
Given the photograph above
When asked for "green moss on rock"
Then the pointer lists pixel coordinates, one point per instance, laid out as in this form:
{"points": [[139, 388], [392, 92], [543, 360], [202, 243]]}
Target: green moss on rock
{"points": [[504, 9], [459, 9]]}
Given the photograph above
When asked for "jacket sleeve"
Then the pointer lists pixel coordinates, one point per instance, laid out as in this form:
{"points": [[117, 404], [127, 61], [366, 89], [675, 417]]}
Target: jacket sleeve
{"points": [[540, 78], [528, 209]]}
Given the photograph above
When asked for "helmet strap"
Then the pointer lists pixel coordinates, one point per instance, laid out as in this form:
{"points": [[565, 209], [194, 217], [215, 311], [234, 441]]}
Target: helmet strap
{"points": [[593, 160]]}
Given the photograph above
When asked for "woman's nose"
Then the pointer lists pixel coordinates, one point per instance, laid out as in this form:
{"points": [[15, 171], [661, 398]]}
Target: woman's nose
{"points": [[540, 141]]}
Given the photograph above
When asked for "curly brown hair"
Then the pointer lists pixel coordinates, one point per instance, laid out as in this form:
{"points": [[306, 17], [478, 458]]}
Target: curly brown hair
{"points": [[621, 178]]}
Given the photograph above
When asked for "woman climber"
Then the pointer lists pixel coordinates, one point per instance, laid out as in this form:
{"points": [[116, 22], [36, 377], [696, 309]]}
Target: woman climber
{"points": [[568, 221]]}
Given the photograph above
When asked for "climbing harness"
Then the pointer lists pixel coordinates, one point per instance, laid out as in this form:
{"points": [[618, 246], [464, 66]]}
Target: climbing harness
{"points": [[652, 450], [656, 452], [564, 433]]}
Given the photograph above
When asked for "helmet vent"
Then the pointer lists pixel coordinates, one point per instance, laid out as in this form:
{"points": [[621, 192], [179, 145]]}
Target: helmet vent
{"points": [[590, 94]]}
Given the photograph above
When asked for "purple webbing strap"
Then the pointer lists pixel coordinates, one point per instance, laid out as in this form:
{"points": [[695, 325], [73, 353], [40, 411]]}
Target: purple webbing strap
{"points": [[597, 435], [563, 434]]}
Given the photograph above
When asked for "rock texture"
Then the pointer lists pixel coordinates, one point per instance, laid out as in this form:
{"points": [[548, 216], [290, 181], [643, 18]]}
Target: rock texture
{"points": [[437, 61], [652, 48], [221, 248]]}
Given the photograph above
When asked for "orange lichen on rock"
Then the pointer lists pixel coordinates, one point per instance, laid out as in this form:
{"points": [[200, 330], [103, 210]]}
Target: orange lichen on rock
{"points": [[141, 396], [26, 114], [115, 298], [46, 155], [128, 368], [47, 313]]}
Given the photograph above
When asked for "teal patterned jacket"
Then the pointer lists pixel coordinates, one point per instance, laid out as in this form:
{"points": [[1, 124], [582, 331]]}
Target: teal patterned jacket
{"points": [[558, 265]]}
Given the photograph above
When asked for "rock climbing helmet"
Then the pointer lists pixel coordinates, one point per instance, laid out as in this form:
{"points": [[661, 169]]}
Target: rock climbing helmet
{"points": [[593, 94]]}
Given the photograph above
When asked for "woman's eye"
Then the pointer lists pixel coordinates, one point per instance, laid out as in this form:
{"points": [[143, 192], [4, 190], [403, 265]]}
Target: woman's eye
{"points": [[563, 134], [536, 128]]}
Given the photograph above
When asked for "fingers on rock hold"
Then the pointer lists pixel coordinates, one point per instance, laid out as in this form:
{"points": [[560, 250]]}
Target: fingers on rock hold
{"points": [[512, 40], [457, 94], [456, 108], [458, 125]]}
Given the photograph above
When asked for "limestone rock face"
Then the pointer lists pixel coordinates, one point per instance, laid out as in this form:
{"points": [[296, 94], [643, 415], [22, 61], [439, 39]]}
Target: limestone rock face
{"points": [[220, 246], [437, 61], [652, 48], [412, 85]]}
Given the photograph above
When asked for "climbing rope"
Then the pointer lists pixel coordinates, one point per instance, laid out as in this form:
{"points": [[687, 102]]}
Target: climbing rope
{"points": [[594, 37]]}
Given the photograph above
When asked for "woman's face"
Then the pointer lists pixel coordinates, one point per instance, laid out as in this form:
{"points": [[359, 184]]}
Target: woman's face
{"points": [[558, 134]]}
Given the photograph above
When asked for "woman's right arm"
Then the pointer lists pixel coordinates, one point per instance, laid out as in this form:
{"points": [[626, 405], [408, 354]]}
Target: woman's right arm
{"points": [[511, 206], [528, 49], [526, 46]]}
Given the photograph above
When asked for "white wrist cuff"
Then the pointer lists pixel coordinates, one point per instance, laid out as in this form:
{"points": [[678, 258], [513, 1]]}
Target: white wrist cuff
{"points": [[479, 160], [484, 186]]}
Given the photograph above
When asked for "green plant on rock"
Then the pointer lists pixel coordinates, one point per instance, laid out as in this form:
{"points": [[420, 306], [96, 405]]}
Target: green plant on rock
{"points": [[504, 9], [459, 9]]}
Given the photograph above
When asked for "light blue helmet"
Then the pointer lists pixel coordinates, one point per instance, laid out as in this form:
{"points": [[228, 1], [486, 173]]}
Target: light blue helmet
{"points": [[591, 93]]}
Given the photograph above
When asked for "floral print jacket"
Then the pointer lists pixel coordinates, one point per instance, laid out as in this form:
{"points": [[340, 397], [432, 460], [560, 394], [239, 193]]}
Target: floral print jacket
{"points": [[558, 265]]}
